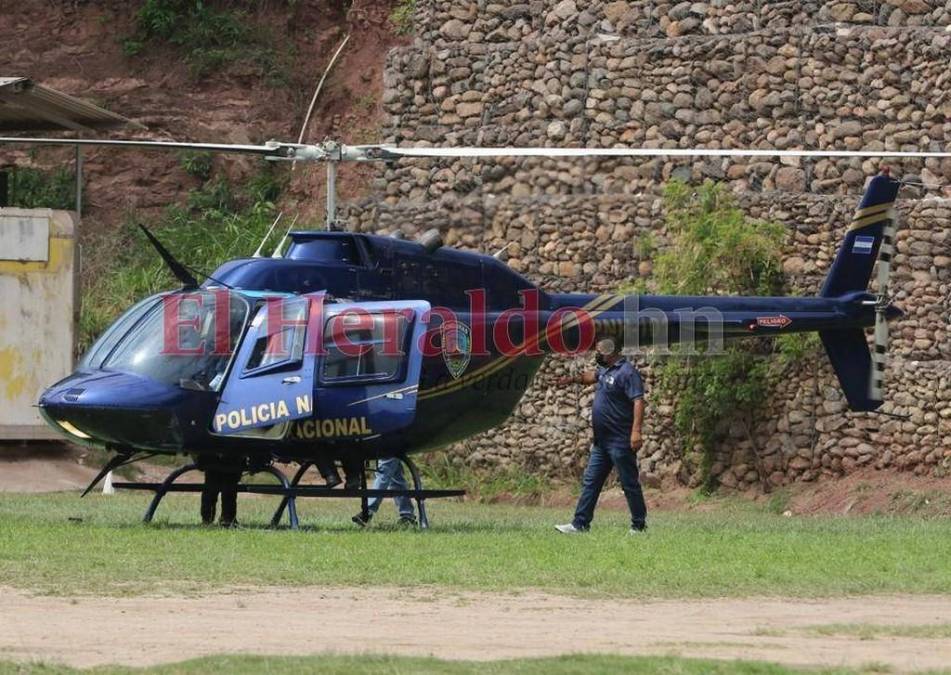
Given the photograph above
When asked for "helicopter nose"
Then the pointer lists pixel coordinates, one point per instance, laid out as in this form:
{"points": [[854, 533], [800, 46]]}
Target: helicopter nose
{"points": [[116, 408]]}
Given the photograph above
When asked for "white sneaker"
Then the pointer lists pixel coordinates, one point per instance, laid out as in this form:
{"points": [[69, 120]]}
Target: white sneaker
{"points": [[568, 529]]}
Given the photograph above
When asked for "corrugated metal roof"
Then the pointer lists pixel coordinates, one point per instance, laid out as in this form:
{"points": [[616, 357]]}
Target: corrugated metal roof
{"points": [[28, 106]]}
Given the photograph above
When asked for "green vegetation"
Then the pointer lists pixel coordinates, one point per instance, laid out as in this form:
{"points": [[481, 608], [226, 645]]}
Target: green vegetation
{"points": [[31, 188], [60, 544], [219, 222], [439, 471], [402, 16], [396, 665], [211, 35], [197, 164], [716, 250], [872, 631]]}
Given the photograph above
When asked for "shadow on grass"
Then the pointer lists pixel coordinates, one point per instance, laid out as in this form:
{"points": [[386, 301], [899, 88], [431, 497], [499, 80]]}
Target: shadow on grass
{"points": [[341, 528]]}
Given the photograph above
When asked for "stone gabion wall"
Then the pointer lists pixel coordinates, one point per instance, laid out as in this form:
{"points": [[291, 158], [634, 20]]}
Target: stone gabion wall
{"points": [[806, 75], [571, 242]]}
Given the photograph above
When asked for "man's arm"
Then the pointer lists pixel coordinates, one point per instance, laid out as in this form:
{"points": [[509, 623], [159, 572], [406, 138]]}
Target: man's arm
{"points": [[636, 438], [587, 377], [634, 387]]}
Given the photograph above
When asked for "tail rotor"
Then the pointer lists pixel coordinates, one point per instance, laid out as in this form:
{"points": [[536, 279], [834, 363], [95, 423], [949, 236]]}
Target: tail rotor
{"points": [[876, 383]]}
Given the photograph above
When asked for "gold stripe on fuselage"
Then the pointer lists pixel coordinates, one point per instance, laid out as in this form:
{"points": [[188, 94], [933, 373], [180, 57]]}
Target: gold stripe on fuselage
{"points": [[593, 309], [404, 391]]}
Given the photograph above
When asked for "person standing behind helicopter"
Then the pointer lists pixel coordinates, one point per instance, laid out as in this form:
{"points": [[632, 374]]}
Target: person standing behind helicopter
{"points": [[389, 476], [223, 480]]}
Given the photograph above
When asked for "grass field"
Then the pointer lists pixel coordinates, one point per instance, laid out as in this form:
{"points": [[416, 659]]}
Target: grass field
{"points": [[376, 665], [60, 544]]}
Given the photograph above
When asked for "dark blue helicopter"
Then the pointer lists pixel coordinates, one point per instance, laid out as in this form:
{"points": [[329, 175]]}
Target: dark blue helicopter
{"points": [[353, 347]]}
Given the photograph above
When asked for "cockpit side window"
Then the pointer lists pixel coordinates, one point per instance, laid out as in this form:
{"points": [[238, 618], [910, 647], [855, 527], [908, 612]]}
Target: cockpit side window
{"points": [[363, 347]]}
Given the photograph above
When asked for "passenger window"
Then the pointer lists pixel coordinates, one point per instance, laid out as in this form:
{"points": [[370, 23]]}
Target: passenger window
{"points": [[363, 347]]}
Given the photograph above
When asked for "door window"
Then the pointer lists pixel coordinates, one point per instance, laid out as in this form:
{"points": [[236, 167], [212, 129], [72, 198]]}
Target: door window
{"points": [[281, 345]]}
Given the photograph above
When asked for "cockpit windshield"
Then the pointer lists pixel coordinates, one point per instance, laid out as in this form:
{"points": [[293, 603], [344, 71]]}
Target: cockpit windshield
{"points": [[186, 340]]}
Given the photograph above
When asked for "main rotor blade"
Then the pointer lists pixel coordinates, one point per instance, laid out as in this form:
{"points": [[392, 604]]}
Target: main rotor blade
{"points": [[646, 152], [331, 151], [266, 150]]}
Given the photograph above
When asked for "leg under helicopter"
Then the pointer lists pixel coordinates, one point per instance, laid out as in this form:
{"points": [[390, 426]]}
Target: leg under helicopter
{"points": [[418, 493], [290, 490], [168, 485]]}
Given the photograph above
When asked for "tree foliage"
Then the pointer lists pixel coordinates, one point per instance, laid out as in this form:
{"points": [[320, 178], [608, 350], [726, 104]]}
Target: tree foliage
{"points": [[32, 188], [220, 221], [717, 250]]}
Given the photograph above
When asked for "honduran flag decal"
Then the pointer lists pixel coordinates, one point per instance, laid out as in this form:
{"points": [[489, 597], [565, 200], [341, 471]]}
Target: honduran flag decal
{"points": [[863, 245]]}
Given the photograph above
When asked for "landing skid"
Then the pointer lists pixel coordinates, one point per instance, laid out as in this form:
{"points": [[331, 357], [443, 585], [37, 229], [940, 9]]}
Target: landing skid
{"points": [[365, 494], [291, 490]]}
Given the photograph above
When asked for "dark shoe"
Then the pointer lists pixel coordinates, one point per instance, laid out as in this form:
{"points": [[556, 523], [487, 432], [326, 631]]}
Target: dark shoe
{"points": [[362, 519], [229, 523], [406, 521], [638, 530]]}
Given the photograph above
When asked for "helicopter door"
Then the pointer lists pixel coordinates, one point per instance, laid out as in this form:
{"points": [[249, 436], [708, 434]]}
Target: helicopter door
{"points": [[369, 370], [271, 381]]}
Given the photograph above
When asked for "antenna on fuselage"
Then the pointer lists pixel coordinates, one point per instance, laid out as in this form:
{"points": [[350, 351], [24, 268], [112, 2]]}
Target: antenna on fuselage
{"points": [[503, 249], [257, 253], [277, 252]]}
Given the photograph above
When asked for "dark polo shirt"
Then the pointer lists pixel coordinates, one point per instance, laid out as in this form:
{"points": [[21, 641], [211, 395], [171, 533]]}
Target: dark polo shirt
{"points": [[612, 415]]}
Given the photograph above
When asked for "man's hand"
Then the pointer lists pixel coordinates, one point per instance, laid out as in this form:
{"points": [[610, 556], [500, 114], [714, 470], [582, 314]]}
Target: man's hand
{"points": [[587, 377], [636, 440]]}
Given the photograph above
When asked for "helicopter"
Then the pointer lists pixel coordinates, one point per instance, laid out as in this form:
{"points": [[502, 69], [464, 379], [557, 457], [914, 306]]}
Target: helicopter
{"points": [[355, 347]]}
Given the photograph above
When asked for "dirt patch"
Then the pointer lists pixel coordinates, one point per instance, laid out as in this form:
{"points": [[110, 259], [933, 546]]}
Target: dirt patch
{"points": [[865, 492], [145, 631], [42, 467], [874, 491], [78, 48]]}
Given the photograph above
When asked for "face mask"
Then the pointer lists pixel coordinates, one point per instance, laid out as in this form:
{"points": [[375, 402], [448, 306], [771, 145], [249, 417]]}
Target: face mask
{"points": [[601, 360]]}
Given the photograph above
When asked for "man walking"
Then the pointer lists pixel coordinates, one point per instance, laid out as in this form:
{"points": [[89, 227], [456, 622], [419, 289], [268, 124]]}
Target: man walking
{"points": [[389, 476], [616, 418]]}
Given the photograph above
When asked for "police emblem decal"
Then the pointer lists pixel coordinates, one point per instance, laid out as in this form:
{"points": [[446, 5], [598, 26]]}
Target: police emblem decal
{"points": [[456, 347]]}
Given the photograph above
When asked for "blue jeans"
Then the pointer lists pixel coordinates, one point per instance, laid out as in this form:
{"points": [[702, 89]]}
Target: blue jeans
{"points": [[389, 476], [599, 467]]}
